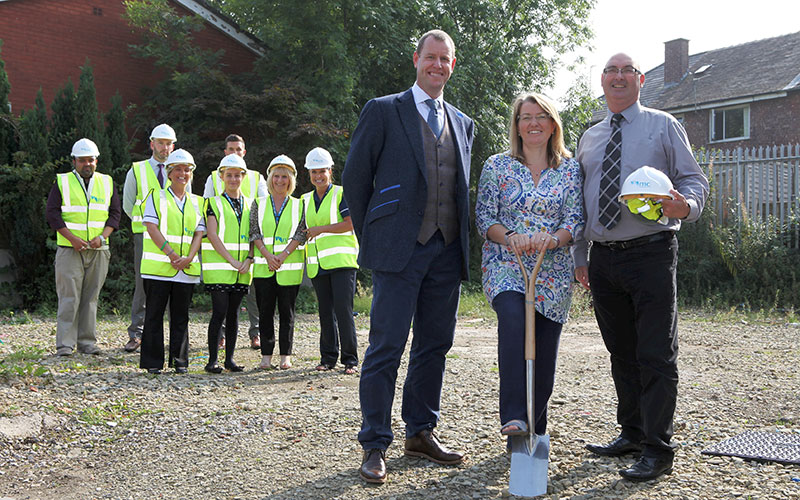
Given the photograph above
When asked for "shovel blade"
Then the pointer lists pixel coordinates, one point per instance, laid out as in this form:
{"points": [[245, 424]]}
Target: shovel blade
{"points": [[528, 477]]}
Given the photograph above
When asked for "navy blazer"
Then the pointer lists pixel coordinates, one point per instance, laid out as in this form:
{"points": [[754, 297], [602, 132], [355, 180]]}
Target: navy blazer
{"points": [[385, 182]]}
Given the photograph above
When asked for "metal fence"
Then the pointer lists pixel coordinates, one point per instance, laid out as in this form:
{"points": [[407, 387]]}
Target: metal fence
{"points": [[757, 183]]}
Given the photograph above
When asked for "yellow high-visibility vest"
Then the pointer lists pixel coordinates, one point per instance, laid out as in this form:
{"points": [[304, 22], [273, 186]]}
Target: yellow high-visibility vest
{"points": [[178, 227], [249, 186], [146, 180], [276, 238], [85, 214], [235, 235], [328, 250]]}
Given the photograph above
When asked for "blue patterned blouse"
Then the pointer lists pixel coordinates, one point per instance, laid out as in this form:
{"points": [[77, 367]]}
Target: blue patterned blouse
{"points": [[507, 195]]}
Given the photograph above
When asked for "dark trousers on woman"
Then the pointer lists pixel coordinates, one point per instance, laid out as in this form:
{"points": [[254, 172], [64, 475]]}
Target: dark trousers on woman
{"points": [[268, 293], [335, 292], [510, 309], [635, 301], [158, 294], [224, 307]]}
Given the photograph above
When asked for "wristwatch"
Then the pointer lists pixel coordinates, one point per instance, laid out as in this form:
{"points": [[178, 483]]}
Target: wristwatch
{"points": [[102, 239], [508, 234], [558, 240]]}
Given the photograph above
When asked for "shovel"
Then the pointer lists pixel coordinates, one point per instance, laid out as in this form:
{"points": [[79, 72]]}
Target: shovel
{"points": [[530, 453]]}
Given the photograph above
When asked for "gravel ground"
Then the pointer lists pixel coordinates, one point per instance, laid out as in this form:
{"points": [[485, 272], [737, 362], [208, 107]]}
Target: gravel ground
{"points": [[101, 428]]}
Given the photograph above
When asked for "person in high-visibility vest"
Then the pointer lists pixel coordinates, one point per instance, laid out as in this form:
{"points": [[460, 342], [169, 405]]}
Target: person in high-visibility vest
{"points": [[140, 179], [278, 269], [227, 259], [253, 186], [84, 209], [331, 263], [170, 267]]}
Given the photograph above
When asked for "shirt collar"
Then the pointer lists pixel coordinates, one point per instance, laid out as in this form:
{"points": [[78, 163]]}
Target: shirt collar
{"points": [[420, 96], [629, 113]]}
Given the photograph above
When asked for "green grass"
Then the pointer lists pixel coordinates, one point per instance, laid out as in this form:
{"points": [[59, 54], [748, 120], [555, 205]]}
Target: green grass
{"points": [[22, 362], [110, 413]]}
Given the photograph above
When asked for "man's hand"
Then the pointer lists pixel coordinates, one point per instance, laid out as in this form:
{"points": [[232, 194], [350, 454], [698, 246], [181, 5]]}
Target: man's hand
{"points": [[582, 275], [79, 244], [677, 208]]}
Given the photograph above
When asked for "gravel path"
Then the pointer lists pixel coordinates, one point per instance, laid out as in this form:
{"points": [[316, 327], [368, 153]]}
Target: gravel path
{"points": [[98, 427]]}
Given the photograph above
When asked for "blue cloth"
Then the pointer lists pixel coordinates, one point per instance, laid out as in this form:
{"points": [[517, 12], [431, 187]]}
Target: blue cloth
{"points": [[508, 196]]}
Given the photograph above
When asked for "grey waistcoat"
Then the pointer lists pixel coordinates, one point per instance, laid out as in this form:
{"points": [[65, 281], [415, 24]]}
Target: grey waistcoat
{"points": [[441, 169]]}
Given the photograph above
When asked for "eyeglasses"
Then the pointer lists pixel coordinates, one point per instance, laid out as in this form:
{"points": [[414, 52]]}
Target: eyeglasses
{"points": [[526, 118], [626, 71]]}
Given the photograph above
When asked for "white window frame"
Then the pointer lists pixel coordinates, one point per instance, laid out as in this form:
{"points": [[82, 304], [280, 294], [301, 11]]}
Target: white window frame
{"points": [[745, 118]]}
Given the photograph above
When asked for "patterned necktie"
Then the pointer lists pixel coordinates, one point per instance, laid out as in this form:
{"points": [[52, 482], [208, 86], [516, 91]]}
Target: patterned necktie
{"points": [[433, 117], [161, 175], [609, 182]]}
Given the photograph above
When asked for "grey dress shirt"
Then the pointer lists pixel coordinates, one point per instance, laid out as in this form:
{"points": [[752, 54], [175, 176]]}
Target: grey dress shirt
{"points": [[649, 137]]}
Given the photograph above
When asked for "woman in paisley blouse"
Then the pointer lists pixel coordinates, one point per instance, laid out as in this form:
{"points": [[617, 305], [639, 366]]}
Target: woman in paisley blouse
{"points": [[529, 201]]}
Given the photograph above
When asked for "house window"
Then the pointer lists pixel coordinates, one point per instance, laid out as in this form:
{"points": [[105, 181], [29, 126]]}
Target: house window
{"points": [[680, 119], [730, 123]]}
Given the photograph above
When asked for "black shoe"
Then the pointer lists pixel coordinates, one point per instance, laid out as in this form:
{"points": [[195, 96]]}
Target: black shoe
{"points": [[154, 371], [647, 468], [213, 368], [373, 466], [616, 448], [181, 370], [233, 367]]}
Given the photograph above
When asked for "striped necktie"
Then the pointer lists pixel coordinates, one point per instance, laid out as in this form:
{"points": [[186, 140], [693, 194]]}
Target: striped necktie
{"points": [[160, 175], [609, 182]]}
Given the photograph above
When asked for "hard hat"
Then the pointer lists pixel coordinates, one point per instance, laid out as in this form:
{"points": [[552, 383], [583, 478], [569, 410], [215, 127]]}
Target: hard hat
{"points": [[648, 208], [284, 161], [318, 158], [179, 156], [163, 131], [232, 161], [85, 147], [646, 182]]}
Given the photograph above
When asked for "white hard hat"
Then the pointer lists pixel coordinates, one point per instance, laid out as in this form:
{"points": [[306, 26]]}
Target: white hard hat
{"points": [[163, 131], [232, 161], [282, 160], [646, 182], [85, 147], [318, 158], [179, 156]]}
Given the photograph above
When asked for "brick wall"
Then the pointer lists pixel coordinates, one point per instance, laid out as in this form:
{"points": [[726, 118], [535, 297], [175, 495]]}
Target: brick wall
{"points": [[775, 121], [46, 41]]}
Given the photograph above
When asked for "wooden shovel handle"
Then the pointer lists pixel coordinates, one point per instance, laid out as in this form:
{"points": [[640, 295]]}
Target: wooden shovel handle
{"points": [[530, 303]]}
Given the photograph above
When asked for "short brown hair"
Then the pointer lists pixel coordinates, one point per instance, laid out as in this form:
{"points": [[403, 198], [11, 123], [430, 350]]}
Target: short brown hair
{"points": [[437, 35], [233, 138], [556, 150]]}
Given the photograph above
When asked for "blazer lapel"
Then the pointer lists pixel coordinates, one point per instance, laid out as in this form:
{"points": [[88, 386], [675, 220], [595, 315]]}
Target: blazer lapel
{"points": [[459, 136], [409, 117]]}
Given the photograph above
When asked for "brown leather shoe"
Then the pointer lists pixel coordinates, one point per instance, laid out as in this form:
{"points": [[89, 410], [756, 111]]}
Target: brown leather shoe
{"points": [[425, 444], [133, 344], [255, 343], [373, 466]]}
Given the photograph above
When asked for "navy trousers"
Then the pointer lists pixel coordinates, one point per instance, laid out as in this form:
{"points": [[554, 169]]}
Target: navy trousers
{"points": [[510, 309], [635, 302], [427, 291]]}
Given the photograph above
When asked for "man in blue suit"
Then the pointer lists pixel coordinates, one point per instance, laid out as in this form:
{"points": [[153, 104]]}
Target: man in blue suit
{"points": [[406, 183]]}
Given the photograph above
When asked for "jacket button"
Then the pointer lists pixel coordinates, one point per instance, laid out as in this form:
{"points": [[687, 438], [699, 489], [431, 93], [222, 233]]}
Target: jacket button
{"points": [[420, 213]]}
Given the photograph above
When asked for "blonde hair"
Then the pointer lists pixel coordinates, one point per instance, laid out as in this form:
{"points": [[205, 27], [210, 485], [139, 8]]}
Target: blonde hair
{"points": [[284, 170], [556, 150]]}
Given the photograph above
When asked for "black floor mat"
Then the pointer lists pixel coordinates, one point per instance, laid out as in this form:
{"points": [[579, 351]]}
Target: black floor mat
{"points": [[781, 447]]}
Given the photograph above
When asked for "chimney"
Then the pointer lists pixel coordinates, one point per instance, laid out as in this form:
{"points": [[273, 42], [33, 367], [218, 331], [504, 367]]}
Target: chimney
{"points": [[676, 60]]}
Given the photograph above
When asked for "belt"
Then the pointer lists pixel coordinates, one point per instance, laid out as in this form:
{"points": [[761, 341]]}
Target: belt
{"points": [[637, 242]]}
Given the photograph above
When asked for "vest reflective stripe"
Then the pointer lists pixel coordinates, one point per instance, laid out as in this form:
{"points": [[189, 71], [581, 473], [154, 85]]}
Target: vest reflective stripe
{"points": [[84, 214], [178, 228], [235, 236], [276, 238], [328, 250], [146, 180], [249, 186]]}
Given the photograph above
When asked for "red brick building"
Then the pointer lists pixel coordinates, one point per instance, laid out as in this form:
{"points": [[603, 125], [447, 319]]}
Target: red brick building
{"points": [[745, 95], [46, 41]]}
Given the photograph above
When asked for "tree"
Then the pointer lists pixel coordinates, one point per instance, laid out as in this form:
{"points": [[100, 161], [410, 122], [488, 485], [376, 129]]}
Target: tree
{"points": [[6, 120], [62, 132], [86, 111]]}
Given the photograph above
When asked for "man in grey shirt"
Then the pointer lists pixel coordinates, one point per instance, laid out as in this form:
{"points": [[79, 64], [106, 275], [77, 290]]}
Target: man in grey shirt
{"points": [[631, 270]]}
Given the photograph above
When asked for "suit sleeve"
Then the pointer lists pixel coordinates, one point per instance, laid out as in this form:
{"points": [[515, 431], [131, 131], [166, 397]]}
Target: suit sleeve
{"points": [[358, 177]]}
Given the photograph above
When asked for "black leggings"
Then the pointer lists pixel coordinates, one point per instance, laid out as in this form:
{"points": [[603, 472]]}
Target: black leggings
{"points": [[224, 306]]}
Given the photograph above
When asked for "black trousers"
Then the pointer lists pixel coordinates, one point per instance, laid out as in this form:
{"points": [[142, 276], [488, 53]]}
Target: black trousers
{"points": [[635, 302], [268, 293], [158, 294], [224, 307], [335, 292]]}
